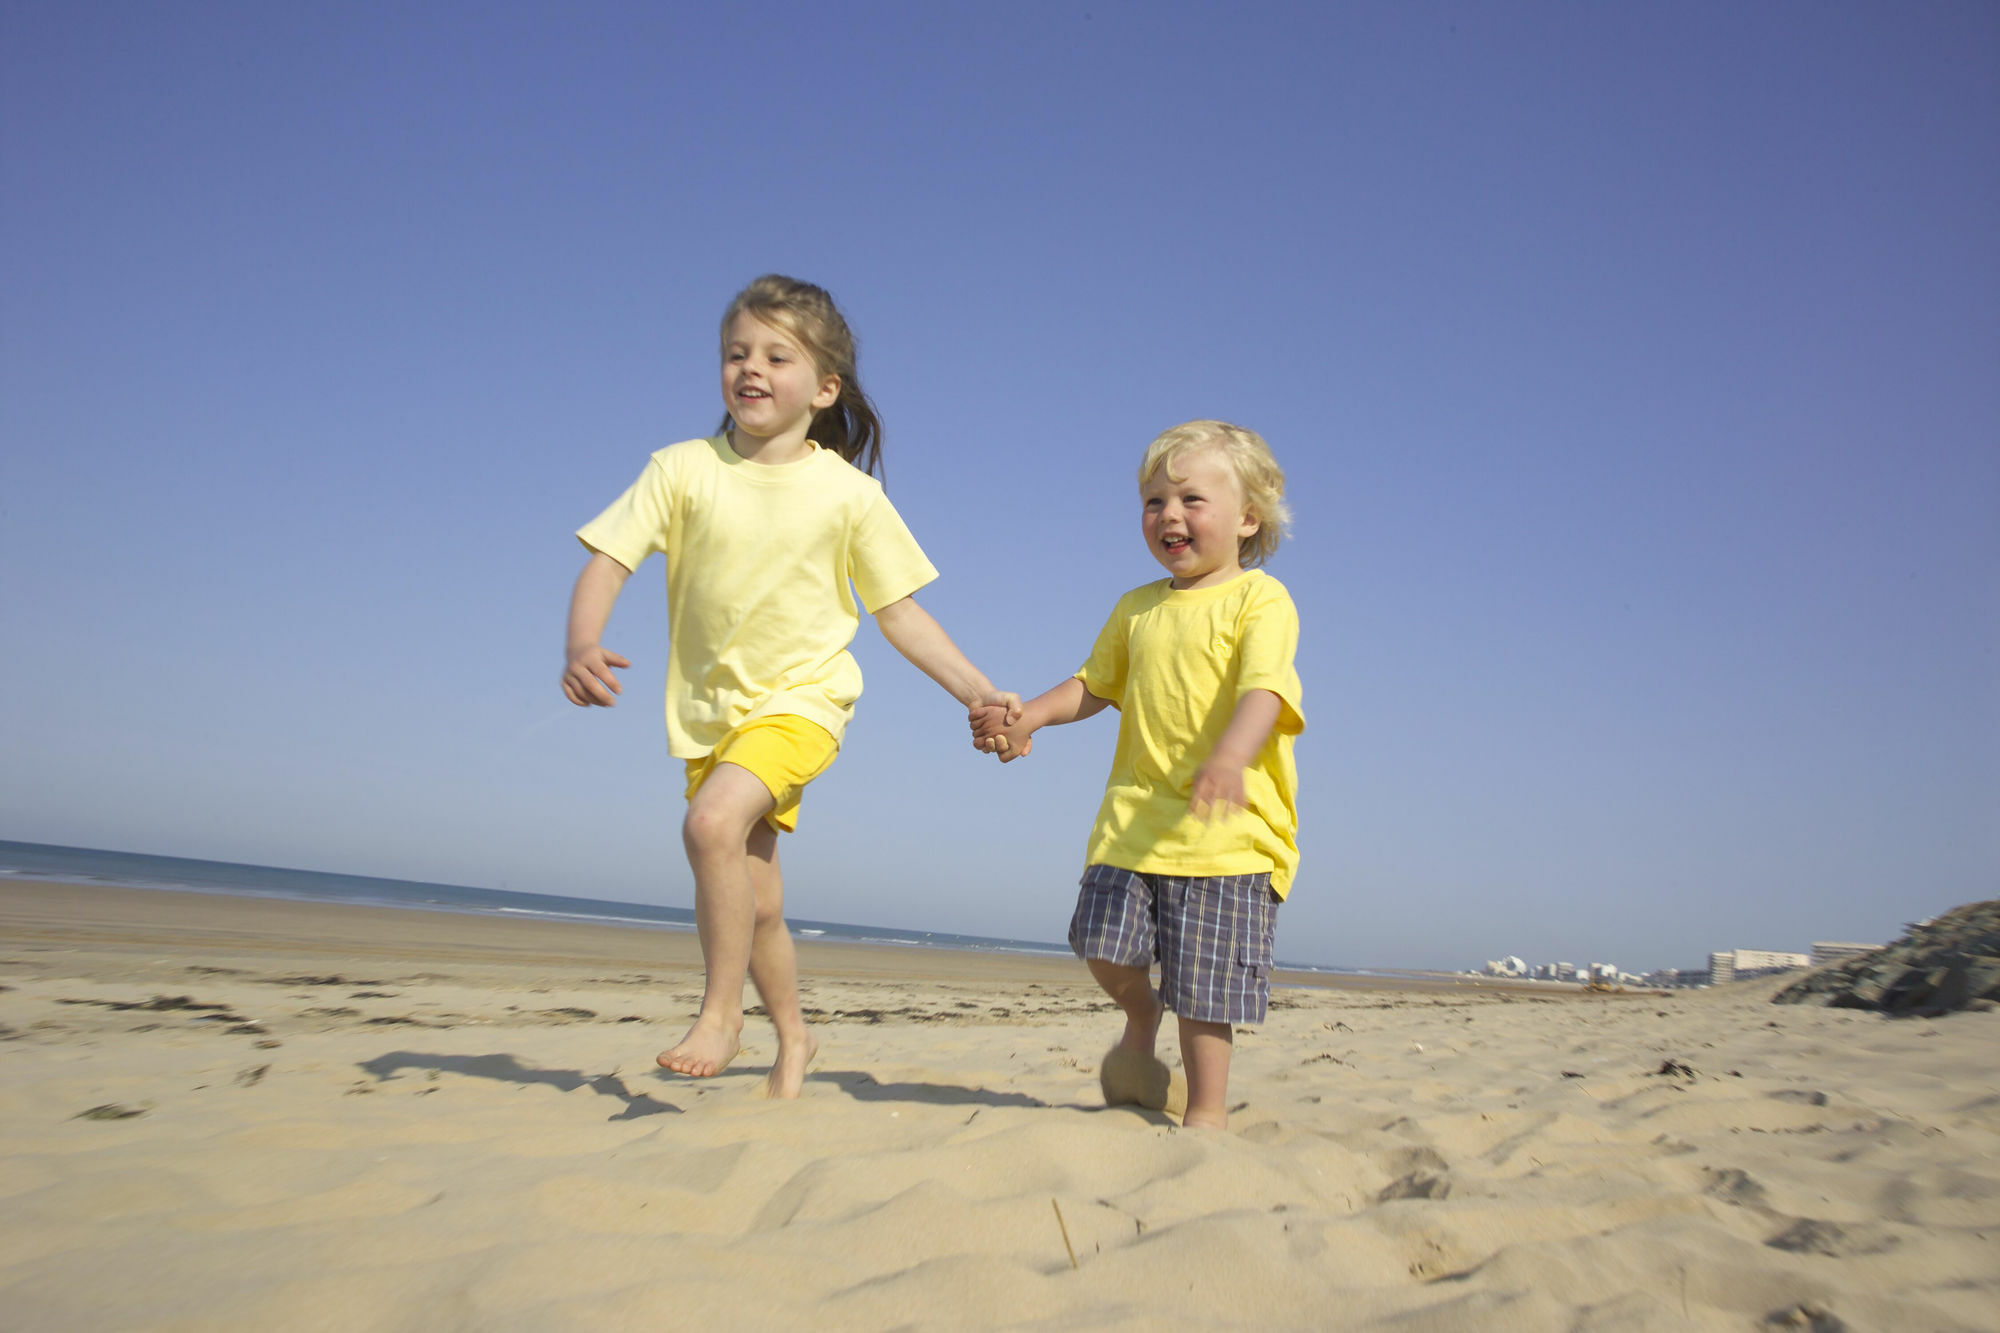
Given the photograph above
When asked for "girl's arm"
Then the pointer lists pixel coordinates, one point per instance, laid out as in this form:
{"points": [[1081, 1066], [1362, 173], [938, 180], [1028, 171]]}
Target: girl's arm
{"points": [[1067, 702], [587, 675], [1218, 784], [912, 632]]}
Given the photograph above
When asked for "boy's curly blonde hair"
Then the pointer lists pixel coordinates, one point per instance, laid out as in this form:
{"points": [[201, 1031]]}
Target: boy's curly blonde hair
{"points": [[1257, 473]]}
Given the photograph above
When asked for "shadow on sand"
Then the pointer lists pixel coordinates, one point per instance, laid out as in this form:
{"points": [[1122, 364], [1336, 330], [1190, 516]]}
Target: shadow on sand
{"points": [[507, 1069]]}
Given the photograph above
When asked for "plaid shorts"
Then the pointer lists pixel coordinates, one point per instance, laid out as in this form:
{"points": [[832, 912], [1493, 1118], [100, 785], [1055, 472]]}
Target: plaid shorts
{"points": [[1211, 936]]}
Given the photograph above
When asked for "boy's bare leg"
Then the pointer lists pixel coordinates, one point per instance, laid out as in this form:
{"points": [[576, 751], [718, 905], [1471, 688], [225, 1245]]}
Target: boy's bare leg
{"points": [[774, 967], [1131, 1075], [1205, 1050], [716, 832], [1131, 989]]}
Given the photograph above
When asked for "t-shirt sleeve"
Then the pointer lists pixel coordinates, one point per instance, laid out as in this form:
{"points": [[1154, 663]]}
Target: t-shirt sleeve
{"points": [[1103, 673], [1267, 643], [885, 560], [635, 526]]}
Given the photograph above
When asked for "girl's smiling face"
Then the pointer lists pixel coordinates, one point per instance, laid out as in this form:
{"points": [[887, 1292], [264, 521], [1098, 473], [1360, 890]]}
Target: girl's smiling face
{"points": [[1192, 525], [770, 386]]}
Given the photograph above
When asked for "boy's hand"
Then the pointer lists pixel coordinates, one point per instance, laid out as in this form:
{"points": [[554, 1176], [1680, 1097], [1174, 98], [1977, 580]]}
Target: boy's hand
{"points": [[1005, 699], [588, 679], [1218, 791], [997, 729]]}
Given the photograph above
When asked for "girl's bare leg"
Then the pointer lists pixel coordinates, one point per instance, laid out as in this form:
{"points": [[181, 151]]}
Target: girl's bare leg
{"points": [[774, 967], [720, 818], [1205, 1050]]}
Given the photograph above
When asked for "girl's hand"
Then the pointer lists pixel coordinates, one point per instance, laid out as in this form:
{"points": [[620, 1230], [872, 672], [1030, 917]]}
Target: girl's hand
{"points": [[588, 679], [997, 729], [1218, 791], [1005, 699]]}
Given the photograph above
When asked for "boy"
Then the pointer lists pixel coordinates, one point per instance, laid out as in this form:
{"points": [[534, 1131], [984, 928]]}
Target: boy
{"points": [[1196, 839]]}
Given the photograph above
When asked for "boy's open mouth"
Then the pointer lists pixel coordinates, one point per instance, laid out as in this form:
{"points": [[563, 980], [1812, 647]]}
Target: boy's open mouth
{"points": [[1174, 543]]}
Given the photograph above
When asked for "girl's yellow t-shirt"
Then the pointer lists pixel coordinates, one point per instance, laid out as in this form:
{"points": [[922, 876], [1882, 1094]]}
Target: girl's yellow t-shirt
{"points": [[759, 560], [1176, 663]]}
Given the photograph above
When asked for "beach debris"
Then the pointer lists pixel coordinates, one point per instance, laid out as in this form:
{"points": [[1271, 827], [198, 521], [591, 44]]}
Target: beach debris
{"points": [[250, 1078], [1947, 964], [1676, 1069], [1734, 1186], [1807, 1315], [1572, 1073], [110, 1111], [1416, 1185], [1065, 1231], [1812, 1236], [158, 1004]]}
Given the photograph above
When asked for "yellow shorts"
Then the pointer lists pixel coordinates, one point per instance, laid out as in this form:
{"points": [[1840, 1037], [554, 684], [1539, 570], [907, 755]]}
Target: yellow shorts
{"points": [[784, 752]]}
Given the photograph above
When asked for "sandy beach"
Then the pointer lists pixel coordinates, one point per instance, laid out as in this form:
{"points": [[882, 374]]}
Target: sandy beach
{"points": [[232, 1113]]}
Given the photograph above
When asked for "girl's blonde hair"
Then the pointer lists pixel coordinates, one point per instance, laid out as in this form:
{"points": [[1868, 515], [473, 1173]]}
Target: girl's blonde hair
{"points": [[1257, 473], [851, 427]]}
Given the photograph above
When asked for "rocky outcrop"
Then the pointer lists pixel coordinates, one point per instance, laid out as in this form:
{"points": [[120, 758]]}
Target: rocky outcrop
{"points": [[1948, 963]]}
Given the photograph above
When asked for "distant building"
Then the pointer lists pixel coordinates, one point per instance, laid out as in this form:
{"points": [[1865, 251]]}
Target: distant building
{"points": [[1604, 971], [1507, 967], [1827, 951], [1736, 964]]}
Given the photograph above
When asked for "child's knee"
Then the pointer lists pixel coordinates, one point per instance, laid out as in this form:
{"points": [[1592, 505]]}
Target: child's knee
{"points": [[712, 828]]}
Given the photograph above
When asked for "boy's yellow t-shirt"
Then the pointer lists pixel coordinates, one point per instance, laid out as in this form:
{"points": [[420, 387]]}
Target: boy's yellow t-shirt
{"points": [[759, 559], [1176, 663]]}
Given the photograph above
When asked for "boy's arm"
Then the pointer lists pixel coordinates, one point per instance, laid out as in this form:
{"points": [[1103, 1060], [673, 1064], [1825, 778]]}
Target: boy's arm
{"points": [[1218, 784], [1067, 702], [913, 632], [587, 675]]}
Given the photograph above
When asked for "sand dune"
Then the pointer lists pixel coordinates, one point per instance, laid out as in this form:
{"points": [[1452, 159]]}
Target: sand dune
{"points": [[228, 1114]]}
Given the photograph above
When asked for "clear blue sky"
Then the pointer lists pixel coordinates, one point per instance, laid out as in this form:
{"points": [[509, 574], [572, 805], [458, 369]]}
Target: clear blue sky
{"points": [[1636, 369]]}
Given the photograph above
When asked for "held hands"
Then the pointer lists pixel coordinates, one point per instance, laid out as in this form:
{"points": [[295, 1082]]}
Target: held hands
{"points": [[588, 679], [998, 727]]}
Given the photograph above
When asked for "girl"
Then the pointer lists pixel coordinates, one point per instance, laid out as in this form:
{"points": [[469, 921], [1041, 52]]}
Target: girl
{"points": [[763, 526]]}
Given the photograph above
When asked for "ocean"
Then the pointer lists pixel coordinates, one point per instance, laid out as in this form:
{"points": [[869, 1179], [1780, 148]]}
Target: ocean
{"points": [[138, 870]]}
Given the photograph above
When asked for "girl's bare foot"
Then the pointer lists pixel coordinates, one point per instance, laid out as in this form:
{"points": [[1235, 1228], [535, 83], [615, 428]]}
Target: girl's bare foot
{"points": [[1205, 1120], [704, 1052], [788, 1072]]}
